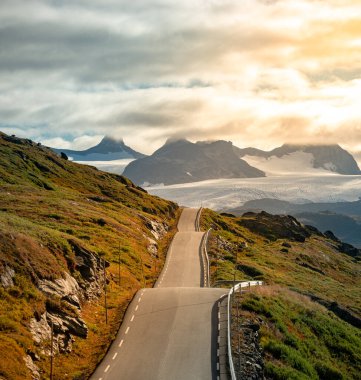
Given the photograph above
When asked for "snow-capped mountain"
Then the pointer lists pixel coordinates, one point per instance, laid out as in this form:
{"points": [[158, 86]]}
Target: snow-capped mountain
{"points": [[299, 159], [108, 149], [182, 161]]}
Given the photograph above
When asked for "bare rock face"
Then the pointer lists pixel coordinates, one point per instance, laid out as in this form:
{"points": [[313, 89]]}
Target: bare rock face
{"points": [[65, 288], [90, 266], [158, 230], [6, 277], [65, 320], [65, 328], [35, 375]]}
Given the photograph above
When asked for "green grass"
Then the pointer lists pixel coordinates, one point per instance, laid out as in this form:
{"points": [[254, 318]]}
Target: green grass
{"points": [[300, 338]]}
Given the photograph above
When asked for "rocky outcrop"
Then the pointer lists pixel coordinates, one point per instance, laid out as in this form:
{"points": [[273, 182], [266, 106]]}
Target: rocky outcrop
{"points": [[34, 369], [64, 328], [65, 297], [90, 266], [65, 288], [274, 227], [6, 277], [342, 247], [158, 230]]}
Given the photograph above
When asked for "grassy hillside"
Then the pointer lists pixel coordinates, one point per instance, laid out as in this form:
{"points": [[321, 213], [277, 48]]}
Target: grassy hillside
{"points": [[309, 311], [54, 216]]}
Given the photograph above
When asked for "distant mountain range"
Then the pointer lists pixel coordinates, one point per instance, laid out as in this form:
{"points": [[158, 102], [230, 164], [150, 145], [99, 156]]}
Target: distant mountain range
{"points": [[343, 218], [296, 158], [108, 149], [182, 161]]}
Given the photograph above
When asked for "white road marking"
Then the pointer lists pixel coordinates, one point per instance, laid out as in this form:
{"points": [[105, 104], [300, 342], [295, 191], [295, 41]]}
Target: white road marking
{"points": [[140, 298], [126, 331], [217, 366], [131, 320], [115, 355], [218, 352], [121, 342], [106, 369], [136, 308]]}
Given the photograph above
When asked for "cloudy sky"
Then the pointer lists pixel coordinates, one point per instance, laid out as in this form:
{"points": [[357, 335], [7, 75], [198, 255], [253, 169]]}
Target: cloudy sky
{"points": [[257, 72]]}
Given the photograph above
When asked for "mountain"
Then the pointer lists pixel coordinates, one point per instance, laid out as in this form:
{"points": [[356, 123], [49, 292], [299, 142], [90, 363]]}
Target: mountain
{"points": [[107, 150], [342, 218], [296, 158], [181, 161], [65, 229]]}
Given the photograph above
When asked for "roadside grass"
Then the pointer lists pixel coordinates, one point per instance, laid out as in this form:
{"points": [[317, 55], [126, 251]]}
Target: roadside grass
{"points": [[262, 259], [300, 338]]}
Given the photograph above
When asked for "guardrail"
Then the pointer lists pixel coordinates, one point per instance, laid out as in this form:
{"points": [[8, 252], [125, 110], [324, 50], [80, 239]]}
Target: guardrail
{"points": [[246, 284]]}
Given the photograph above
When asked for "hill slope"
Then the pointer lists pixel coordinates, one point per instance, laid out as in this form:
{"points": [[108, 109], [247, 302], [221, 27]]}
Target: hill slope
{"points": [[294, 158], [182, 161], [342, 218], [61, 223], [307, 317], [107, 150]]}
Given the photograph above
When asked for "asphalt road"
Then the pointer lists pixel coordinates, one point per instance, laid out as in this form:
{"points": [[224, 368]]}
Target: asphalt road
{"points": [[169, 332]]}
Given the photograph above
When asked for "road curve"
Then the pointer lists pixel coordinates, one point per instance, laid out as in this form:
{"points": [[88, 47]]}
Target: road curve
{"points": [[170, 331]]}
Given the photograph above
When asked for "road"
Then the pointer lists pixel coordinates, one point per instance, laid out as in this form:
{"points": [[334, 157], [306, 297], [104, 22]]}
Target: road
{"points": [[170, 331]]}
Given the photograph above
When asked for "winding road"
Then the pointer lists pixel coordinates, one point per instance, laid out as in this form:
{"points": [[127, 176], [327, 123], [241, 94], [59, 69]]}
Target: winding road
{"points": [[169, 332]]}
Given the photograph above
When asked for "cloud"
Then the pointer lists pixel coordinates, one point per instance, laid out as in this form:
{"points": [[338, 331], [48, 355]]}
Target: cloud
{"points": [[257, 72]]}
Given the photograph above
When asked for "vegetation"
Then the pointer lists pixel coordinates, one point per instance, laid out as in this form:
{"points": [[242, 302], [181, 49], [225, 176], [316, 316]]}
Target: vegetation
{"points": [[48, 207], [309, 311]]}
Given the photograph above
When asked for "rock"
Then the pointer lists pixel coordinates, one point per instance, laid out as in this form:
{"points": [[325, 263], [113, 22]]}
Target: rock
{"points": [[91, 267], [35, 375], [6, 277], [158, 230], [40, 330], [152, 247], [65, 288], [274, 227]]}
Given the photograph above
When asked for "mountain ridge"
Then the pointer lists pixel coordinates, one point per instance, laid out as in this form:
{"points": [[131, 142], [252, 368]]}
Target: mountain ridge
{"points": [[181, 161], [108, 149], [330, 157]]}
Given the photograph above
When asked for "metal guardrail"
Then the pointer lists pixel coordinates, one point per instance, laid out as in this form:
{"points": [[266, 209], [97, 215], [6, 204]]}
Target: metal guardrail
{"points": [[246, 284]]}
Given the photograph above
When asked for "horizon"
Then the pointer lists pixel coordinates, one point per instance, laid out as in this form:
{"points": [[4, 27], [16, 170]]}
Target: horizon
{"points": [[205, 69]]}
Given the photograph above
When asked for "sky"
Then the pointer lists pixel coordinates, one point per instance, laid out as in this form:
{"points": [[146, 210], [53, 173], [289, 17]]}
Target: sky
{"points": [[256, 72]]}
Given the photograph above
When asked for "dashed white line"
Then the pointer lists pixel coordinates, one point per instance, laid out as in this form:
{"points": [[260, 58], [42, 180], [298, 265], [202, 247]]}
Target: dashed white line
{"points": [[126, 331], [115, 355], [131, 320], [106, 369], [136, 308], [140, 298], [121, 342]]}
